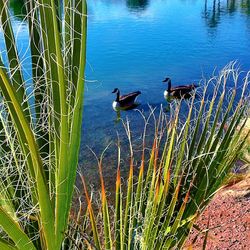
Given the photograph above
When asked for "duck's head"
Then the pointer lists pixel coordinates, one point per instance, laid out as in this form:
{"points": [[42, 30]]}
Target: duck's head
{"points": [[115, 90], [166, 79]]}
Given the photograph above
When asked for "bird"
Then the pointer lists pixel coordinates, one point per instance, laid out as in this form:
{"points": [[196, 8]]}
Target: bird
{"points": [[181, 91], [125, 101]]}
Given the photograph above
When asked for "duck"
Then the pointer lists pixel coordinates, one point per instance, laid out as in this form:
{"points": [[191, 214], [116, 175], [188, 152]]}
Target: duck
{"points": [[181, 91], [125, 101]]}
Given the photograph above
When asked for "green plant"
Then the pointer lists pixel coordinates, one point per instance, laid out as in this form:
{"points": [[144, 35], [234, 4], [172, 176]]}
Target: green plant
{"points": [[40, 130], [189, 161]]}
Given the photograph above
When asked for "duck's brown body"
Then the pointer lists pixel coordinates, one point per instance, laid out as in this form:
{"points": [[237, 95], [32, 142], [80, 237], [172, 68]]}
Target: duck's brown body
{"points": [[128, 99], [181, 91], [124, 101]]}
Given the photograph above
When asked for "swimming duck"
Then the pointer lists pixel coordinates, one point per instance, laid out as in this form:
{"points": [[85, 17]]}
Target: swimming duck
{"points": [[178, 91], [126, 101]]}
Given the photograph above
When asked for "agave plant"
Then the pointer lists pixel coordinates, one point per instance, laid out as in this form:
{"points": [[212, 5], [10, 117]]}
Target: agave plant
{"points": [[40, 128], [190, 160]]}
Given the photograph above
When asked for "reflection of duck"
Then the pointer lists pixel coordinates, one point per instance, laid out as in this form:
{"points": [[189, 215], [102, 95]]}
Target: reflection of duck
{"points": [[126, 101], [178, 91]]}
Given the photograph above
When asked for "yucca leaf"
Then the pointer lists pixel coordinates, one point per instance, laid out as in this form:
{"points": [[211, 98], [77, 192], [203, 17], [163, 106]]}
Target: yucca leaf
{"points": [[12, 228], [38, 75], [50, 156], [36, 170], [5, 245], [57, 78], [76, 124]]}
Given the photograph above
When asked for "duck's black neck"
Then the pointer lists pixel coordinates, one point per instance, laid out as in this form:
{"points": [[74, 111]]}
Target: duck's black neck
{"points": [[117, 96], [169, 85]]}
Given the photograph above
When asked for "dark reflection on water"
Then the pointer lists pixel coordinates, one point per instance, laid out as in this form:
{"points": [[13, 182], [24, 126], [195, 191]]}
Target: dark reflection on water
{"points": [[212, 15], [137, 4], [215, 9]]}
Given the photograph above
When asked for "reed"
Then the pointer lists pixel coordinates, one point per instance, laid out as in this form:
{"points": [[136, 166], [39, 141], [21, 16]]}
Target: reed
{"points": [[40, 130]]}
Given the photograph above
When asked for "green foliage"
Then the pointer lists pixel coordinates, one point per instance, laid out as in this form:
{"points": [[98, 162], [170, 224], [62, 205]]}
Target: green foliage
{"points": [[40, 131], [189, 161]]}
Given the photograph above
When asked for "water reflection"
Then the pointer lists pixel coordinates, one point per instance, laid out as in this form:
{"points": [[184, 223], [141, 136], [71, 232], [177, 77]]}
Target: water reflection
{"points": [[212, 14], [215, 10], [137, 4], [119, 110], [234, 5], [231, 6], [245, 7]]}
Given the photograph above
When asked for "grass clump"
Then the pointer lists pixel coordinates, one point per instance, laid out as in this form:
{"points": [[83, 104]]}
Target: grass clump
{"points": [[190, 160]]}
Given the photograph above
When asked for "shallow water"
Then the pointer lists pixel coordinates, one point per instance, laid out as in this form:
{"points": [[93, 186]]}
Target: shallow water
{"points": [[135, 44]]}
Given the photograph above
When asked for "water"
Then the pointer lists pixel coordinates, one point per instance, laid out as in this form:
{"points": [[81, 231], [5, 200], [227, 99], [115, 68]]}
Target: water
{"points": [[135, 44]]}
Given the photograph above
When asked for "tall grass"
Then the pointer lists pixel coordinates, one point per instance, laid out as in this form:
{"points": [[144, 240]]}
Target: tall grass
{"points": [[189, 161], [40, 130]]}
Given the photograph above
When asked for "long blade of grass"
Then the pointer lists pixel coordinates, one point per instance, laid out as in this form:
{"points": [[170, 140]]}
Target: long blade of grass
{"points": [[197, 126], [105, 212], [171, 144], [92, 216], [128, 208], [118, 208], [177, 221], [202, 189], [183, 144], [168, 217]]}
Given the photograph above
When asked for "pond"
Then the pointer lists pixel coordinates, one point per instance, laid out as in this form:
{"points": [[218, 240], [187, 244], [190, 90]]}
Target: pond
{"points": [[135, 44]]}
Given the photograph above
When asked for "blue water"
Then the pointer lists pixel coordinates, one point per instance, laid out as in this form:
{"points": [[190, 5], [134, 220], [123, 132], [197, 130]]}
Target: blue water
{"points": [[134, 45]]}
